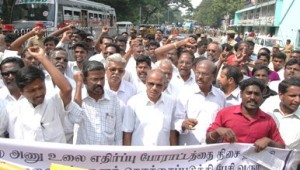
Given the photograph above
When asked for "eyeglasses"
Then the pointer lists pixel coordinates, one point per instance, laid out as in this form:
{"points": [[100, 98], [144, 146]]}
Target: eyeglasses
{"points": [[61, 59], [113, 69], [151, 84], [6, 74]]}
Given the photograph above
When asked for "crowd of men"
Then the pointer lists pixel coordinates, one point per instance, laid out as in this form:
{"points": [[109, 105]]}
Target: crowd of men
{"points": [[70, 87]]}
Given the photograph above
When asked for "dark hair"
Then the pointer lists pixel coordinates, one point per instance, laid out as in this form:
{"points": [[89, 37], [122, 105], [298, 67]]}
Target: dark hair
{"points": [[233, 72], [27, 75], [246, 68], [261, 67], [153, 43], [106, 37], [79, 32], [15, 60], [264, 54], [143, 58], [81, 44], [265, 49], [251, 43], [279, 55], [121, 39], [228, 47], [51, 38], [91, 66], [285, 84], [189, 53], [292, 61], [237, 45], [202, 43], [159, 30], [252, 81], [118, 50], [11, 37], [193, 36], [149, 36], [296, 51]]}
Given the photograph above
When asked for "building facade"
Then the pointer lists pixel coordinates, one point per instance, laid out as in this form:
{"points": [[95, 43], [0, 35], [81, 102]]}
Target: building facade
{"points": [[270, 17]]}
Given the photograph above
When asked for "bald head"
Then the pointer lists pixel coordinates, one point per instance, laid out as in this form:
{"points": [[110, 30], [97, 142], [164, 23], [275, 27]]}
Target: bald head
{"points": [[209, 65]]}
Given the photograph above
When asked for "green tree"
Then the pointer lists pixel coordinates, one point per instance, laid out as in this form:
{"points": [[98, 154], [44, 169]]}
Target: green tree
{"points": [[212, 12]]}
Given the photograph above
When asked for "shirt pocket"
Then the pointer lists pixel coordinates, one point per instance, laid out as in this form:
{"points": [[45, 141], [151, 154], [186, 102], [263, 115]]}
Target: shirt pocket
{"points": [[110, 121]]}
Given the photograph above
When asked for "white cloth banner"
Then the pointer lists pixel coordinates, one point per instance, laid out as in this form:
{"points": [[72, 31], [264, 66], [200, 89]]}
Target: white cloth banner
{"points": [[39, 156]]}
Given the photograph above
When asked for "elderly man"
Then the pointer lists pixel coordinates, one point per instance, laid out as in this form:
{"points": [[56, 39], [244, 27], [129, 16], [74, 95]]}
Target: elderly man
{"points": [[149, 116], [115, 70], [195, 111]]}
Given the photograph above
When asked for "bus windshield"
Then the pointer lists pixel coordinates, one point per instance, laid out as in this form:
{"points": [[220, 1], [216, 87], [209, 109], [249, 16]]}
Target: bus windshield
{"points": [[33, 10]]}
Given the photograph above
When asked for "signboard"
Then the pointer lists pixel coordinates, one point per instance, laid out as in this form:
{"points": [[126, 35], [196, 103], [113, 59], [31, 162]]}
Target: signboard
{"points": [[18, 2]]}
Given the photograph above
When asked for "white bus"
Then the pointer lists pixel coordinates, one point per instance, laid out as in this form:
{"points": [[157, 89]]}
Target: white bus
{"points": [[124, 26], [86, 15]]}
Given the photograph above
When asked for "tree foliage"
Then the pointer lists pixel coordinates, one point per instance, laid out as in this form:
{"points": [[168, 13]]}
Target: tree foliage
{"points": [[212, 12], [145, 11]]}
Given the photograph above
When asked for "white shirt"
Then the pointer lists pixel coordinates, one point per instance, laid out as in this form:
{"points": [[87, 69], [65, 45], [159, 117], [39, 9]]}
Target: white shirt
{"points": [[98, 57], [234, 98], [150, 123], [172, 90], [273, 85], [131, 66], [40, 123], [71, 69], [5, 95], [126, 90], [289, 127], [51, 89], [100, 122], [200, 107], [184, 85]]}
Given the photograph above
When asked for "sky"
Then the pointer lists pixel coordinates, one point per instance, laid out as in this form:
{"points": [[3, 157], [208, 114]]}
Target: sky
{"points": [[195, 3]]}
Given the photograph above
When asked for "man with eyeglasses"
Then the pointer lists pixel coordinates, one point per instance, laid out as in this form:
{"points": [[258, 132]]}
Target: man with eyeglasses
{"points": [[149, 116], [9, 67], [103, 42], [115, 70], [196, 110], [213, 51]]}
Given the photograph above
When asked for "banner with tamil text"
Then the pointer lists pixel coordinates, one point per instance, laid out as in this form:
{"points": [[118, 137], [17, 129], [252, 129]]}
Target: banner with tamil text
{"points": [[39, 156]]}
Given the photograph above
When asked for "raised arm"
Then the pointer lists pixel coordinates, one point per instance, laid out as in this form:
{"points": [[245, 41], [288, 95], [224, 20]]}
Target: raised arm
{"points": [[17, 44], [61, 31], [163, 49], [78, 77], [57, 77], [104, 31]]}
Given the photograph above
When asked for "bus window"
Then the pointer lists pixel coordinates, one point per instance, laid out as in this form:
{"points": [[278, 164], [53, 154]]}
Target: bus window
{"points": [[67, 15], [76, 16], [95, 17]]}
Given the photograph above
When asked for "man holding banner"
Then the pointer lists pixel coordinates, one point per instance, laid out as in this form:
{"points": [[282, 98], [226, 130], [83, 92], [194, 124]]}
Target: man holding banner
{"points": [[246, 123]]}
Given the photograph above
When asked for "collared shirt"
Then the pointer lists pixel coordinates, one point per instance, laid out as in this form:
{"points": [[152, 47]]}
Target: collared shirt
{"points": [[71, 69], [247, 131], [234, 98], [100, 122], [184, 84], [5, 95], [98, 57], [150, 123], [289, 127], [126, 90], [172, 90], [274, 85], [40, 123], [51, 88], [198, 106], [131, 66]]}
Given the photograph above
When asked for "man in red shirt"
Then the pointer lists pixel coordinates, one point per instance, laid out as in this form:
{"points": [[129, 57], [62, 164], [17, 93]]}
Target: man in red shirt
{"points": [[246, 123]]}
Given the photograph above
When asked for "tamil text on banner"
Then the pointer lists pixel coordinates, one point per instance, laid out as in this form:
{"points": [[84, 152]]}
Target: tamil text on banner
{"points": [[40, 156]]}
